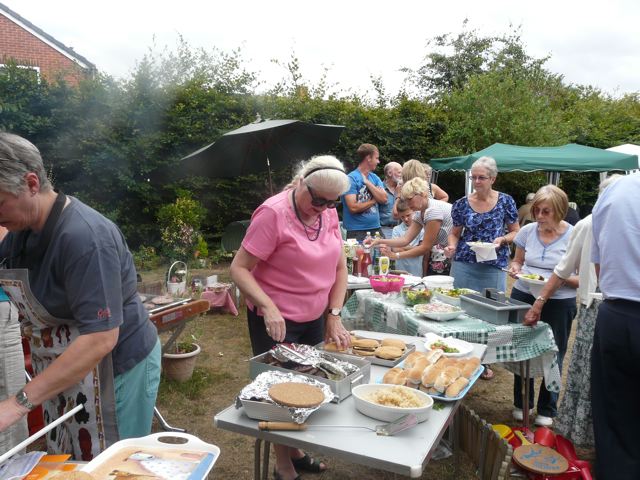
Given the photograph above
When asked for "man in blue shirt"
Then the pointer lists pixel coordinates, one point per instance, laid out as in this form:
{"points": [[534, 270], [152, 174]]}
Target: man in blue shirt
{"points": [[360, 204], [615, 357]]}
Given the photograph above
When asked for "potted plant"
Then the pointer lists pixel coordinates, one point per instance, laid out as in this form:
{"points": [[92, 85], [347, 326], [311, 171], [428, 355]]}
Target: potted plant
{"points": [[178, 365], [177, 279]]}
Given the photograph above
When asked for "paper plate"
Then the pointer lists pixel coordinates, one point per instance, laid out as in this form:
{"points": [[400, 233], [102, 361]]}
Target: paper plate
{"points": [[481, 244]]}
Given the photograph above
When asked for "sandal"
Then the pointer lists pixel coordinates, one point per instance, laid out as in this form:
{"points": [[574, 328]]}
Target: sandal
{"points": [[308, 464], [487, 374]]}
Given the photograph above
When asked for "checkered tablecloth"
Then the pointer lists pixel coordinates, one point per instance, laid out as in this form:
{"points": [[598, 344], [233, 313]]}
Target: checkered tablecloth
{"points": [[507, 344]]}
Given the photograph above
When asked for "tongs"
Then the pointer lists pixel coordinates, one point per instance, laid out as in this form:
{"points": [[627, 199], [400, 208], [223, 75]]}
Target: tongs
{"points": [[385, 429], [332, 369]]}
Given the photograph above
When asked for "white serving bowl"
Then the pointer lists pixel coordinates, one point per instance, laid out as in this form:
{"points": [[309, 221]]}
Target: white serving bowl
{"points": [[438, 281], [439, 316], [385, 413]]}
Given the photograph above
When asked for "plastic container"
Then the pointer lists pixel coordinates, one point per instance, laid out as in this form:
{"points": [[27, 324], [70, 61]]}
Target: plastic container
{"points": [[386, 283], [493, 311]]}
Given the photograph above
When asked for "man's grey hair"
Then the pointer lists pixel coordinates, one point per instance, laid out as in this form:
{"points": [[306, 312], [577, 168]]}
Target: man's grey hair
{"points": [[489, 164], [18, 156]]}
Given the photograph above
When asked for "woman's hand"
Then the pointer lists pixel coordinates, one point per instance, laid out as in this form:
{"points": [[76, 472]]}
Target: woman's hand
{"points": [[386, 251], [449, 251], [498, 242], [274, 323], [514, 269], [335, 332]]}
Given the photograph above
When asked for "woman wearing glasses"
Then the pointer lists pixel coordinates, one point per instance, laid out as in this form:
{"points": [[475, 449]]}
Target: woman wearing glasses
{"points": [[483, 216], [292, 271]]}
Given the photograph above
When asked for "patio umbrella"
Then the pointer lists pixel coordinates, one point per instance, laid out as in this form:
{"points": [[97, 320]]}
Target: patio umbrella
{"points": [[259, 147]]}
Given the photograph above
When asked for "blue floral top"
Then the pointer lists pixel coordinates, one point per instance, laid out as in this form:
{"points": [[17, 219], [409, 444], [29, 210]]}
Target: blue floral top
{"points": [[483, 227]]}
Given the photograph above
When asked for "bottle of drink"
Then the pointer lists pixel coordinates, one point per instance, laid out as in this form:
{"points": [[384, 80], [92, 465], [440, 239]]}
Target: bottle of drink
{"points": [[357, 260], [375, 254], [365, 264], [367, 239]]}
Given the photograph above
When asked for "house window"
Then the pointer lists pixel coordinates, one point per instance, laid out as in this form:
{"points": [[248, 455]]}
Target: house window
{"points": [[35, 71]]}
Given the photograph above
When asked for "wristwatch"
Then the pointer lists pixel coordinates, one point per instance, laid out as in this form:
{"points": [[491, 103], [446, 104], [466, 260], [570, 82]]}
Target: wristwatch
{"points": [[541, 298], [335, 311], [23, 400]]}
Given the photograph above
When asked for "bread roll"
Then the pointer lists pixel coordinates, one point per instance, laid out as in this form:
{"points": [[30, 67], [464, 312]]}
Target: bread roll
{"points": [[395, 376], [388, 352], [368, 343], [415, 373], [443, 381], [393, 342], [445, 362], [456, 387], [468, 370], [430, 374], [412, 357], [333, 347], [434, 355], [452, 371]]}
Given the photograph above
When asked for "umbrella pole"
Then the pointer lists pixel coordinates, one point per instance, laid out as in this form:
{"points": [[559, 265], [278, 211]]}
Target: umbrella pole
{"points": [[269, 174]]}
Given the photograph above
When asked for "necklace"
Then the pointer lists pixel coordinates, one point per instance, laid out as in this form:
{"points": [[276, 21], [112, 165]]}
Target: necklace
{"points": [[311, 232]]}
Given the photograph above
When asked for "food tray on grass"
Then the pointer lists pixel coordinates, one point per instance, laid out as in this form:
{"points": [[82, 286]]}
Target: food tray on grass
{"points": [[341, 388], [372, 358], [166, 456], [464, 391]]}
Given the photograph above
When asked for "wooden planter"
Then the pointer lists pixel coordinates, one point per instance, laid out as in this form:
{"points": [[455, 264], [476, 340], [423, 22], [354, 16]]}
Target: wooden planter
{"points": [[179, 366]]}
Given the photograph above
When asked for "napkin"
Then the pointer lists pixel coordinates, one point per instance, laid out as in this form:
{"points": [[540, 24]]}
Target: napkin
{"points": [[484, 253], [20, 465]]}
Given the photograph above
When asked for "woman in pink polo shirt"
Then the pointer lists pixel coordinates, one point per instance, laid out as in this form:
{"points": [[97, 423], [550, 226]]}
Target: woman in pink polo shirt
{"points": [[292, 271]]}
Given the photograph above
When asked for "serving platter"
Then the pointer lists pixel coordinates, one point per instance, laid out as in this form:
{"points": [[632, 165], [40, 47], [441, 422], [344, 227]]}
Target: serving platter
{"points": [[372, 358], [464, 391], [464, 348]]}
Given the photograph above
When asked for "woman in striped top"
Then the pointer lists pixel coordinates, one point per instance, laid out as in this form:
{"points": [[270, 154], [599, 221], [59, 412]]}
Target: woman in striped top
{"points": [[434, 216]]}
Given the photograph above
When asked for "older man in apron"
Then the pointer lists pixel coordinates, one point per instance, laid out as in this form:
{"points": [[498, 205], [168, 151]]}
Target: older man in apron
{"points": [[69, 272]]}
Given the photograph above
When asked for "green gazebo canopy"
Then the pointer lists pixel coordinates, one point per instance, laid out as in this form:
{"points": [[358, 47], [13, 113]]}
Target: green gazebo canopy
{"points": [[570, 157]]}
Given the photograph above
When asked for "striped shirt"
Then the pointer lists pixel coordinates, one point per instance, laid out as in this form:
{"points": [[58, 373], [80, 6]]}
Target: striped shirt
{"points": [[437, 210]]}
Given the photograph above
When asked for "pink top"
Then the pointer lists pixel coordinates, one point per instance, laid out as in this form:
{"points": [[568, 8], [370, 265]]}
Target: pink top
{"points": [[296, 273]]}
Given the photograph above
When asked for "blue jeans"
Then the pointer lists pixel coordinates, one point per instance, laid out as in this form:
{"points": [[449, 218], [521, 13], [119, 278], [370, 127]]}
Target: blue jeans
{"points": [[559, 314], [478, 276]]}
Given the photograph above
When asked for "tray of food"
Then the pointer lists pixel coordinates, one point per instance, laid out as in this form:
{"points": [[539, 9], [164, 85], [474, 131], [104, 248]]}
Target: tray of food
{"points": [[451, 347], [387, 352], [340, 371], [283, 397], [166, 456], [452, 296]]}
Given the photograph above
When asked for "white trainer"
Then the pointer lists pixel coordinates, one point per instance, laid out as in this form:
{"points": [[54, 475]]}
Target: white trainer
{"points": [[543, 421], [518, 414]]}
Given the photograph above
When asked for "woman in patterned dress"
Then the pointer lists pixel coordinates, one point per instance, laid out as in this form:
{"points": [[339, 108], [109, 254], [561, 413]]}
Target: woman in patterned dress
{"points": [[485, 215]]}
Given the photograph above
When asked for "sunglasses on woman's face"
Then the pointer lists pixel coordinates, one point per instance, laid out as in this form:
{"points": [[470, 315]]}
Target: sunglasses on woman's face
{"points": [[319, 201]]}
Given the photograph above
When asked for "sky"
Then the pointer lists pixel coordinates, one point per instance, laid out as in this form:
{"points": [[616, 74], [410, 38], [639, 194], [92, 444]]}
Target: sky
{"points": [[590, 42]]}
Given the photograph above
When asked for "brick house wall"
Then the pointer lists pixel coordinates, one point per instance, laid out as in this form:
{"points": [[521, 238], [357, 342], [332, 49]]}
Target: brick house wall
{"points": [[25, 47]]}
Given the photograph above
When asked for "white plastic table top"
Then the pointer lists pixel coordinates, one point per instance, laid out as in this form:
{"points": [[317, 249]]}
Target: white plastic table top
{"points": [[406, 453]]}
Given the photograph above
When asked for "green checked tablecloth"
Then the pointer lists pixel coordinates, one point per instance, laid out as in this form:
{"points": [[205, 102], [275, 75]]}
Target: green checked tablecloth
{"points": [[507, 344]]}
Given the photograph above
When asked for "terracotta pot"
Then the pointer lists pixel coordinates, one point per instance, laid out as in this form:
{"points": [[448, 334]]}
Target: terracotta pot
{"points": [[179, 366]]}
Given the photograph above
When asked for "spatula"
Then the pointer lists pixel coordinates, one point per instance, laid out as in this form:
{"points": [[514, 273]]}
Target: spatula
{"points": [[386, 429]]}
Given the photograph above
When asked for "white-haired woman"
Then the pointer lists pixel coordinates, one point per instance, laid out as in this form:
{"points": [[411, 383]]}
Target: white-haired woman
{"points": [[434, 216], [292, 270]]}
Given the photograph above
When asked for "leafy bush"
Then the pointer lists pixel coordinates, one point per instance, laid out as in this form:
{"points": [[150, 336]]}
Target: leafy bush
{"points": [[146, 258], [179, 225]]}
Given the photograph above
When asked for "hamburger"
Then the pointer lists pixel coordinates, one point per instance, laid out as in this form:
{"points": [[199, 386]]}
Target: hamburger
{"points": [[364, 346]]}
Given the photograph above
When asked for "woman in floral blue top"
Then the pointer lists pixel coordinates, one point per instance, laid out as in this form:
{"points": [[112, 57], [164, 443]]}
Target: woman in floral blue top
{"points": [[484, 216]]}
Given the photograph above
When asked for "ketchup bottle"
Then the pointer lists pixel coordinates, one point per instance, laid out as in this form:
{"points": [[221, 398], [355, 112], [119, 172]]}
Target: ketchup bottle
{"points": [[365, 264]]}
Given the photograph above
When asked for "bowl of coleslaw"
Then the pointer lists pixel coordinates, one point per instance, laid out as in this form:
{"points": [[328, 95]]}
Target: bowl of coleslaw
{"points": [[439, 311]]}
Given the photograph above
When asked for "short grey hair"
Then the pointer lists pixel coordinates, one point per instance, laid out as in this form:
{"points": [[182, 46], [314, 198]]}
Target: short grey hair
{"points": [[611, 179], [530, 197], [329, 175], [18, 156], [388, 166], [487, 163]]}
